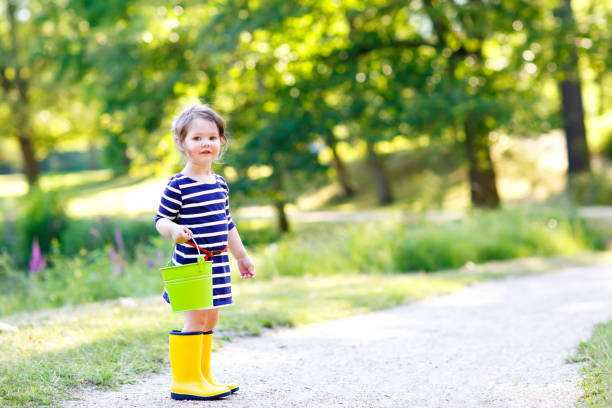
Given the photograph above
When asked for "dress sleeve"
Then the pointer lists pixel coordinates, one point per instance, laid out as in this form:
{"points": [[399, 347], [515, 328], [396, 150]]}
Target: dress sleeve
{"points": [[171, 202]]}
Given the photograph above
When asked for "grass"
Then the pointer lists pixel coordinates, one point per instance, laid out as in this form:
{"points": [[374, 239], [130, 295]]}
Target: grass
{"points": [[114, 342], [76, 274], [596, 353]]}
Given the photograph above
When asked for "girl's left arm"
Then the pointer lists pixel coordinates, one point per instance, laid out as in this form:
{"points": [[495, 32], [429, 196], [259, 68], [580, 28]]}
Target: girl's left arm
{"points": [[245, 265]]}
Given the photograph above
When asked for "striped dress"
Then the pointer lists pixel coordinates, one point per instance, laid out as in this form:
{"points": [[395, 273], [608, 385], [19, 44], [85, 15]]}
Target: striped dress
{"points": [[204, 209]]}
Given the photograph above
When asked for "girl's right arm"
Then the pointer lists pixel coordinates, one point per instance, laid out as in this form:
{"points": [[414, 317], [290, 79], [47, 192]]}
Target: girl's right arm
{"points": [[179, 233]]}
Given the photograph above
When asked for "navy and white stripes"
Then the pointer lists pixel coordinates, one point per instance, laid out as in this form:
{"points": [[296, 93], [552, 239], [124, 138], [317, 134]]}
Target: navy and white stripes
{"points": [[204, 209]]}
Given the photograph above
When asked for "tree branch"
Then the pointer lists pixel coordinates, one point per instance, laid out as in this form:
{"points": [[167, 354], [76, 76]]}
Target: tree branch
{"points": [[21, 85]]}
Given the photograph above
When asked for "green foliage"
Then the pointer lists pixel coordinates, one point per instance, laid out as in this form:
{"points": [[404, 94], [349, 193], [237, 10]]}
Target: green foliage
{"points": [[286, 74], [290, 77], [87, 236], [607, 147], [114, 154], [41, 216], [493, 236], [100, 13], [91, 234], [428, 246], [92, 276], [317, 250]]}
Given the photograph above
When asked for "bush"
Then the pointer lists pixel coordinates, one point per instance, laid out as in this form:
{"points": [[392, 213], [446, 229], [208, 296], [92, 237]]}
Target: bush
{"points": [[404, 247], [91, 234], [343, 249], [323, 249], [490, 236], [92, 276], [95, 233], [41, 216]]}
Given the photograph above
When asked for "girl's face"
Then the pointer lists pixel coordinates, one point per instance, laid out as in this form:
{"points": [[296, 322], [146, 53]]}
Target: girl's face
{"points": [[202, 142]]}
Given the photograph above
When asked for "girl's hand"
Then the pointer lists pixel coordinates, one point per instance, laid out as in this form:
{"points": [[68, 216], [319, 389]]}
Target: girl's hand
{"points": [[247, 269], [181, 234]]}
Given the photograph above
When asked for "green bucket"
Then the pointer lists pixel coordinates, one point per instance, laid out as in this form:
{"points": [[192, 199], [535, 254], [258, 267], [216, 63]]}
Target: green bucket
{"points": [[189, 286]]}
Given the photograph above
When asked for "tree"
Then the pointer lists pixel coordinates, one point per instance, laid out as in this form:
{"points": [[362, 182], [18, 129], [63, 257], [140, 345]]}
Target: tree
{"points": [[16, 89], [571, 94], [274, 152], [324, 119], [135, 57], [41, 66], [478, 78]]}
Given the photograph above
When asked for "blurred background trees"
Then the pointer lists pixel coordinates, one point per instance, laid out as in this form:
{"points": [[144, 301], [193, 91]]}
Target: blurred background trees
{"points": [[296, 79]]}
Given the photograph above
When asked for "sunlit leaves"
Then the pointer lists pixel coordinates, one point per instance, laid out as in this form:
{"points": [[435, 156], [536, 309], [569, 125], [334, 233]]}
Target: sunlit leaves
{"points": [[287, 71]]}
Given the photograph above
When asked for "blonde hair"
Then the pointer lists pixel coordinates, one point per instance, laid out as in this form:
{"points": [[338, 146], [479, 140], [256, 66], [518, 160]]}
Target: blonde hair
{"points": [[182, 123]]}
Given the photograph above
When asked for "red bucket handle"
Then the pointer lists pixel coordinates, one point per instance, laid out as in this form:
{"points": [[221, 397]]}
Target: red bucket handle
{"points": [[209, 254]]}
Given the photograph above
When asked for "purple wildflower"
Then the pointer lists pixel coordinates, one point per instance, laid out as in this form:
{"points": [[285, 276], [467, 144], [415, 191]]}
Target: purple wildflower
{"points": [[37, 263], [150, 263]]}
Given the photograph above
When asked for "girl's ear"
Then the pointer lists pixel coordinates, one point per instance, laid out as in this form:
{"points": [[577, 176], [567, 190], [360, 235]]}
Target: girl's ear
{"points": [[178, 144]]}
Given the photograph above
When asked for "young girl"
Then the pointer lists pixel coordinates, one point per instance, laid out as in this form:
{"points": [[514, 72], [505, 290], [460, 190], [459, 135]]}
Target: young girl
{"points": [[194, 209]]}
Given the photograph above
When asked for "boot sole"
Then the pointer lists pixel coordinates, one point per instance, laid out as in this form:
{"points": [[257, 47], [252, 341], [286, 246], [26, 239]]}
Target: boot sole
{"points": [[183, 397]]}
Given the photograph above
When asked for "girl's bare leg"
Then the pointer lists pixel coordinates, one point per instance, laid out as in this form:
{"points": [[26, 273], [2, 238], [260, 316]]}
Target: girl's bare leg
{"points": [[200, 320]]}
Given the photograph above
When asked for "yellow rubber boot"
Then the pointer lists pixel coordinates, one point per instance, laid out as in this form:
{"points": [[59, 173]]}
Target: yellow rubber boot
{"points": [[206, 353], [187, 380]]}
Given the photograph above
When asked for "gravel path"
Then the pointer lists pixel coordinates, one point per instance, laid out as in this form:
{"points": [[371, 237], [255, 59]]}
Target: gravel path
{"points": [[498, 343]]}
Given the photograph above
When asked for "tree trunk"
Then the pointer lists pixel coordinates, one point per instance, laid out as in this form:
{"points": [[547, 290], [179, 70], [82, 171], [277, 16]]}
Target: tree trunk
{"points": [[20, 109], [575, 133], [29, 160], [279, 200], [345, 186], [381, 180], [283, 223], [571, 97], [483, 189]]}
